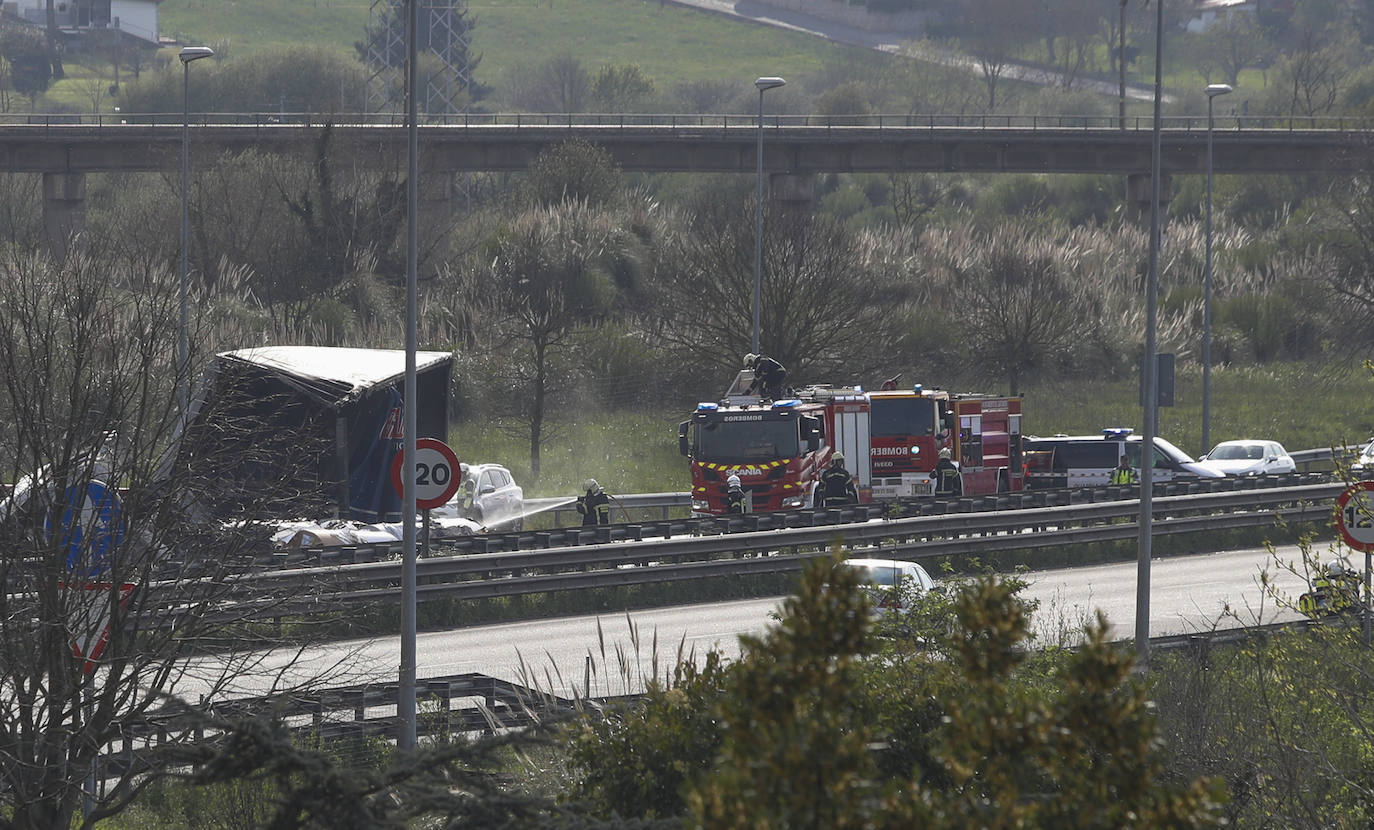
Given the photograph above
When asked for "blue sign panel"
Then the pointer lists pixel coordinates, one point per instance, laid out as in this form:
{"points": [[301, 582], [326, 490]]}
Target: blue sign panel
{"points": [[91, 525]]}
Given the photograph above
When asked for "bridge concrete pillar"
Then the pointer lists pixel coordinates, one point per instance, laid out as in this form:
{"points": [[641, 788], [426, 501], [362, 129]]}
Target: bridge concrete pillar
{"points": [[64, 210], [1138, 195], [792, 190]]}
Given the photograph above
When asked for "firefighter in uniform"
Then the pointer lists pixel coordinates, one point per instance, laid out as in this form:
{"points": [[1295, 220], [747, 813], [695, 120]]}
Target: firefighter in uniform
{"points": [[735, 499], [947, 480], [837, 485], [1123, 474], [594, 505], [1341, 584], [768, 376]]}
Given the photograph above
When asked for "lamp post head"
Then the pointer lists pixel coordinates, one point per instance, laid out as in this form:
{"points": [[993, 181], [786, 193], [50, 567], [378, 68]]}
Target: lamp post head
{"points": [[194, 53], [1213, 90], [768, 83]]}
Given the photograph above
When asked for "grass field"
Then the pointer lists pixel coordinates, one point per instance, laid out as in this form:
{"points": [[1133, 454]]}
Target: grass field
{"points": [[1301, 407], [670, 43]]}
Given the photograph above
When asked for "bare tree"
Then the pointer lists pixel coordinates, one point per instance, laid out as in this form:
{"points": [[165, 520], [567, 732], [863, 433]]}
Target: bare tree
{"points": [[993, 31], [826, 297], [1013, 292], [1234, 44], [110, 577], [559, 84], [543, 278], [1311, 79]]}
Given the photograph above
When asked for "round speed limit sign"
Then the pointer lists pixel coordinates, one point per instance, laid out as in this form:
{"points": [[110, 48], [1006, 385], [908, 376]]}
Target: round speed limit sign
{"points": [[437, 473], [1355, 516]]}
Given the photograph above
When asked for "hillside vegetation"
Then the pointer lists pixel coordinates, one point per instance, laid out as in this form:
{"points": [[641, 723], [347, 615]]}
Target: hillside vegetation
{"points": [[670, 43]]}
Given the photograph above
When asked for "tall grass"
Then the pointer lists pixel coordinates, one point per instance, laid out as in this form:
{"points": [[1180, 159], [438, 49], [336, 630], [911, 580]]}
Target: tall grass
{"points": [[626, 452], [1299, 405]]}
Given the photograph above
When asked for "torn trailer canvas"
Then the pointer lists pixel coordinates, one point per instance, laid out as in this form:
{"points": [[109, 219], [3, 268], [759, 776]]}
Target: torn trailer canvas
{"points": [[306, 430]]}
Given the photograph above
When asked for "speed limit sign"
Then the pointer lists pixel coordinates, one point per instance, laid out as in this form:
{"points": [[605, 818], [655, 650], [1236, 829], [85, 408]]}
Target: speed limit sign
{"points": [[437, 473], [1355, 517]]}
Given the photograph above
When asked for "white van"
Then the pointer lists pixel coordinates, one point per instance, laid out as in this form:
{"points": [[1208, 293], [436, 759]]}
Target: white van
{"points": [[1088, 460]]}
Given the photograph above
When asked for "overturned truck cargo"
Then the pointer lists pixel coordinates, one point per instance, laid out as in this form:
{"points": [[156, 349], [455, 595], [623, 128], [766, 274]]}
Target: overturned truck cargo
{"points": [[315, 427]]}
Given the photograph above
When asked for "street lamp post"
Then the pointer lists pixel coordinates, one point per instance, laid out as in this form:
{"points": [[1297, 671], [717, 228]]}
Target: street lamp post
{"points": [[187, 54], [763, 84], [1150, 367], [1213, 90]]}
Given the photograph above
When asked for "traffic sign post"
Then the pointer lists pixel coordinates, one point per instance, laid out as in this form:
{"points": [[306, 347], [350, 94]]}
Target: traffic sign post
{"points": [[1356, 523], [89, 527], [436, 475]]}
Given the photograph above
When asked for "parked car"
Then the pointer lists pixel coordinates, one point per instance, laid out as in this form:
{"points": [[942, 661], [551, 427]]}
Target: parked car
{"points": [[1088, 460], [490, 497], [888, 581], [1363, 466], [1250, 457]]}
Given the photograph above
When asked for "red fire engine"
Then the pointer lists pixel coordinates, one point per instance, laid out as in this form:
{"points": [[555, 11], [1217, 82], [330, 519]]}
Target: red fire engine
{"points": [[910, 427], [890, 439]]}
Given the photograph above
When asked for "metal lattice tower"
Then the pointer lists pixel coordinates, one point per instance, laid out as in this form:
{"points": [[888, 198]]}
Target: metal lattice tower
{"points": [[444, 56]]}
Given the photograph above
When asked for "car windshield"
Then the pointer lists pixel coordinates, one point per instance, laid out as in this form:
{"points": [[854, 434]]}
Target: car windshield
{"points": [[763, 439], [897, 417], [1172, 452], [1237, 452], [883, 577], [1368, 453]]}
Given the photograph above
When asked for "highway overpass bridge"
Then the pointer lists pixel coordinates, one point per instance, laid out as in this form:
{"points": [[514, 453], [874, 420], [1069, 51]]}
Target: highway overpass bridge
{"points": [[795, 147]]}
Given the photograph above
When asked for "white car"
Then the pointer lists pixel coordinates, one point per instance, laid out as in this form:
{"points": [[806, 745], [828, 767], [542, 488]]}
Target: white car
{"points": [[490, 497], [1251, 458], [888, 581], [1363, 467]]}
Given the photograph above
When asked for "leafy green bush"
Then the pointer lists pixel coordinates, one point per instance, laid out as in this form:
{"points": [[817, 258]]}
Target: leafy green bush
{"points": [[635, 758]]}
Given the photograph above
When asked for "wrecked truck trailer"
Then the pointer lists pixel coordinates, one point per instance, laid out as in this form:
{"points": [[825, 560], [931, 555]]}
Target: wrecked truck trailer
{"points": [[283, 431]]}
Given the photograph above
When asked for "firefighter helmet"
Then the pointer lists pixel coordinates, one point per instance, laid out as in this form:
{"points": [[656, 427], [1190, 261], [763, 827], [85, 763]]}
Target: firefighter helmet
{"points": [[749, 360], [732, 481], [590, 485], [1335, 567], [945, 453], [837, 458]]}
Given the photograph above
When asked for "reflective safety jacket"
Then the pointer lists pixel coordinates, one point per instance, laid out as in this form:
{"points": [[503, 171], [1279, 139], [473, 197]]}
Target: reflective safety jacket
{"points": [[595, 508], [1124, 475], [947, 481], [837, 488]]}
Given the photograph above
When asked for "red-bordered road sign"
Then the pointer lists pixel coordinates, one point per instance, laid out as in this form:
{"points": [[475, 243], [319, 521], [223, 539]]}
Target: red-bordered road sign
{"points": [[1355, 518], [437, 473], [88, 617]]}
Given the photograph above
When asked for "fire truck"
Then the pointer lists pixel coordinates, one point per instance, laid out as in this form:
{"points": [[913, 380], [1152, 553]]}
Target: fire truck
{"points": [[890, 439], [777, 448], [910, 427]]}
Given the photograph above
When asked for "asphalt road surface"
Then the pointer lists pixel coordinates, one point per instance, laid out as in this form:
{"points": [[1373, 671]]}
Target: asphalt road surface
{"points": [[615, 653]]}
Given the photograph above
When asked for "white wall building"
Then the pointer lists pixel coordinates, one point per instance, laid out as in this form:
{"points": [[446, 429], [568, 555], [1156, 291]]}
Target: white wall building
{"points": [[137, 18], [1211, 12]]}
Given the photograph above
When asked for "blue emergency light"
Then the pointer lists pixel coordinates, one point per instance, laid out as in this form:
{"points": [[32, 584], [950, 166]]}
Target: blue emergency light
{"points": [[917, 388], [706, 406], [1117, 432], [787, 404]]}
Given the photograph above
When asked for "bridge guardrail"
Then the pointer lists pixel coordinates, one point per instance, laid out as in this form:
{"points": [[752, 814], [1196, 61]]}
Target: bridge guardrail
{"points": [[665, 502], [721, 121]]}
